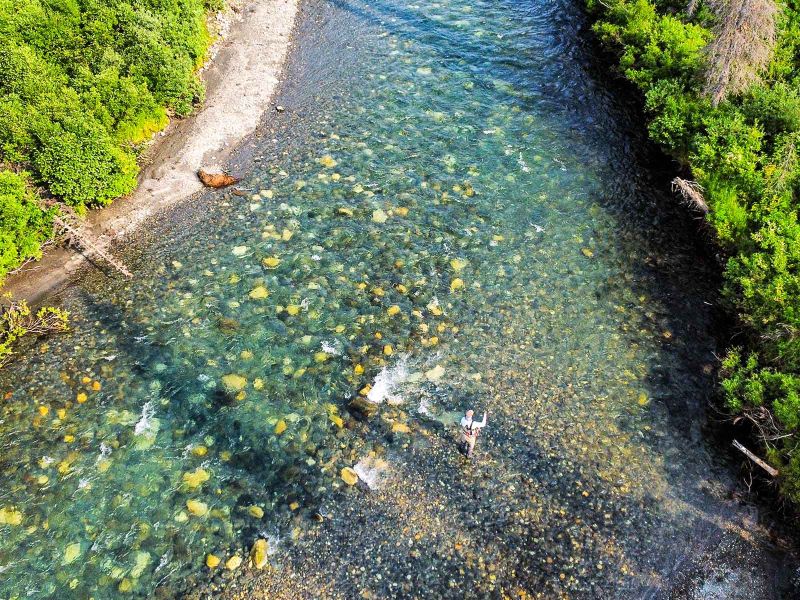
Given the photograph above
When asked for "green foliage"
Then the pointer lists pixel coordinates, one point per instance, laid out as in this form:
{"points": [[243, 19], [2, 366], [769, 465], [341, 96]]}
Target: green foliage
{"points": [[744, 152], [23, 225], [81, 83]]}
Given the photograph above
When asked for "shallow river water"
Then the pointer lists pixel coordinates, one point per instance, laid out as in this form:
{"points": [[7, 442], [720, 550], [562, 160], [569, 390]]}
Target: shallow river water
{"points": [[455, 210]]}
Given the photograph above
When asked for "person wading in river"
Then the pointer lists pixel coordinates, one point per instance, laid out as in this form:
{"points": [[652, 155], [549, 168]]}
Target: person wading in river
{"points": [[470, 429]]}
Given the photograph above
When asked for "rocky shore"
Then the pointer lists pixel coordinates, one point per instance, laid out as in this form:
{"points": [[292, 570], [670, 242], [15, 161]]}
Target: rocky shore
{"points": [[241, 78]]}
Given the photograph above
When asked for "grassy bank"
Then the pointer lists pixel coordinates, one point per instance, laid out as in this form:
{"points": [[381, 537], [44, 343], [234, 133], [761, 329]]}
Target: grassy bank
{"points": [[83, 83], [720, 84]]}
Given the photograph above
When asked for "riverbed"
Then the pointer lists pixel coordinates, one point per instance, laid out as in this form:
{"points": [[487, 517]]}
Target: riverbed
{"points": [[456, 208]]}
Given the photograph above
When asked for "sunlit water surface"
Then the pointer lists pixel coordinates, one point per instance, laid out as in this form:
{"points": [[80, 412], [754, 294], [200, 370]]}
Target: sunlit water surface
{"points": [[449, 190]]}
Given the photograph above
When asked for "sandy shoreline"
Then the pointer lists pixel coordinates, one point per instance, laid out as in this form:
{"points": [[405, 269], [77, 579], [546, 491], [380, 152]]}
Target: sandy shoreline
{"points": [[241, 80]]}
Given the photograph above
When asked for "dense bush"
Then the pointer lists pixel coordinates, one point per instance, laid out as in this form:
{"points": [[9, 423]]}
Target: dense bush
{"points": [[81, 83], [23, 225], [743, 151]]}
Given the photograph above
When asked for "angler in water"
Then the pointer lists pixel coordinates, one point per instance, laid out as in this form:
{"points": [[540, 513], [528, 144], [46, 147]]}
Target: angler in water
{"points": [[470, 429]]}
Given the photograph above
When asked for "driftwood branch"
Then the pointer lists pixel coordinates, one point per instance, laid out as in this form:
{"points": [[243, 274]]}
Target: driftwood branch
{"points": [[66, 223], [691, 192], [772, 471]]}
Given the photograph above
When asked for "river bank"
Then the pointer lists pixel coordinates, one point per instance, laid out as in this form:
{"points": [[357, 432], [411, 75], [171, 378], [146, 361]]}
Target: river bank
{"points": [[241, 77]]}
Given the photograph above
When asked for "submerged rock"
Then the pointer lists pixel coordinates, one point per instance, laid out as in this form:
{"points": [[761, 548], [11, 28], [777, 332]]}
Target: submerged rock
{"points": [[228, 325], [363, 407], [435, 374], [197, 508], [400, 428], [10, 516], [212, 561], [195, 478], [259, 553], [234, 382], [71, 552], [349, 476]]}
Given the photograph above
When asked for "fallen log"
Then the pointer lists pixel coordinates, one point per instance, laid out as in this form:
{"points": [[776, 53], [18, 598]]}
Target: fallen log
{"points": [[772, 471], [67, 224]]}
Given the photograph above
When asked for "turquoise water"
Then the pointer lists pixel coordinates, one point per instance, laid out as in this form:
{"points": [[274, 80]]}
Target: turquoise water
{"points": [[453, 210]]}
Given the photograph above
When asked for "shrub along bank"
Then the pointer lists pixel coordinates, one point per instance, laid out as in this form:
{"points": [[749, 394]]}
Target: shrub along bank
{"points": [[82, 84], [721, 86]]}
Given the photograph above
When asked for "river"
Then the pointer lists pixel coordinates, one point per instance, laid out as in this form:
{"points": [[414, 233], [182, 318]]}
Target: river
{"points": [[455, 209]]}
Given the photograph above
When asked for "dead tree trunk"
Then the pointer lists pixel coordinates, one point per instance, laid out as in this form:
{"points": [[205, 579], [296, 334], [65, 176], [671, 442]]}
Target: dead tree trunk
{"points": [[744, 39]]}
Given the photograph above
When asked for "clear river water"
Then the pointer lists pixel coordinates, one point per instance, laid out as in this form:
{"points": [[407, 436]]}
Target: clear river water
{"points": [[456, 209]]}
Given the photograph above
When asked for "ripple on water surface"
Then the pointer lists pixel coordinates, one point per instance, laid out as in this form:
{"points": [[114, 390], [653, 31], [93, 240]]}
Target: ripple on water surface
{"points": [[453, 215]]}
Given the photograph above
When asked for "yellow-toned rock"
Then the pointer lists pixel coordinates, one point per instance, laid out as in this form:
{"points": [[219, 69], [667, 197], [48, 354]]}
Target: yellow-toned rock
{"points": [[196, 478], [258, 293], [234, 382], [212, 561], [255, 511], [349, 476], [233, 562], [71, 552], [435, 374], [197, 508], [434, 308], [458, 264], [280, 427], [10, 516], [400, 428], [259, 553], [271, 262]]}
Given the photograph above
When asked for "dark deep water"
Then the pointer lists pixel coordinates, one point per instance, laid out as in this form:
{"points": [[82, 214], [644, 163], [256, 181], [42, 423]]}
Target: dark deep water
{"points": [[457, 209]]}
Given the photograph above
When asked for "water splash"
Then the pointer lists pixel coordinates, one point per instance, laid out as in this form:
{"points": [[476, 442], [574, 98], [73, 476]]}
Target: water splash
{"points": [[387, 383]]}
